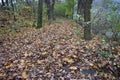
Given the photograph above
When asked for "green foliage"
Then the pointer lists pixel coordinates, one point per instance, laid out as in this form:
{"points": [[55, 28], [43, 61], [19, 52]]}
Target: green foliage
{"points": [[117, 27], [65, 9], [60, 9], [104, 54], [79, 17], [69, 8]]}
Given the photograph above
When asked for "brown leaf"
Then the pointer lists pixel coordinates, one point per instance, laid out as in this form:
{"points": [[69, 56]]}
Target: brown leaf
{"points": [[69, 60], [24, 75]]}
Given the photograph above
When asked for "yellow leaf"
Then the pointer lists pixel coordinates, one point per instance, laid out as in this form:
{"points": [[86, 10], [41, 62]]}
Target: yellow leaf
{"points": [[73, 68], [8, 66], [44, 53], [24, 74], [69, 60], [74, 56]]}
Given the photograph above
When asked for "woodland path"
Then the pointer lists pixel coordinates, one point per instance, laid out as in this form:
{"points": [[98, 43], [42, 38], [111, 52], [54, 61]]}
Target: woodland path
{"points": [[54, 52]]}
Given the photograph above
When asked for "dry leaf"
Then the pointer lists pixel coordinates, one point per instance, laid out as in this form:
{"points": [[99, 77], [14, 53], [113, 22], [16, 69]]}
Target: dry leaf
{"points": [[69, 60], [39, 61], [24, 75], [44, 53], [74, 56], [22, 62], [8, 66], [73, 68]]}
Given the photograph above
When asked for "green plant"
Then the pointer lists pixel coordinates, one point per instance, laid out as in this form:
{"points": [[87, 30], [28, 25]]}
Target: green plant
{"points": [[60, 9], [79, 17], [65, 9], [104, 54], [69, 8]]}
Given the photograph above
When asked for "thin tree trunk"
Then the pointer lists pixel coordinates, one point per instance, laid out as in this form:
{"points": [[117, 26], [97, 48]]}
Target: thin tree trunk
{"points": [[40, 6], [34, 11], [3, 4], [48, 9], [28, 2], [13, 9], [7, 3], [87, 18], [80, 7], [52, 10]]}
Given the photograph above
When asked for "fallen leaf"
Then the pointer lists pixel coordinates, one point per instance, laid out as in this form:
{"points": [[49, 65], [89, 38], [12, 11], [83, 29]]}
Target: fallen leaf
{"points": [[69, 60], [39, 61], [73, 68], [8, 66], [22, 62], [44, 53], [24, 75]]}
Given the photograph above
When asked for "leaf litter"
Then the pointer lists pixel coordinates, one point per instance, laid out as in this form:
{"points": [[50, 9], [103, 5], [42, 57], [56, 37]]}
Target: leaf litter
{"points": [[56, 52]]}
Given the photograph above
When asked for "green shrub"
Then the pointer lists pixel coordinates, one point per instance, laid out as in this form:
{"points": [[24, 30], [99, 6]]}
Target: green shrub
{"points": [[65, 9], [60, 9]]}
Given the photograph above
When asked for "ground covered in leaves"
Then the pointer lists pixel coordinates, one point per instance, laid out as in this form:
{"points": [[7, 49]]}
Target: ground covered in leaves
{"points": [[57, 52]]}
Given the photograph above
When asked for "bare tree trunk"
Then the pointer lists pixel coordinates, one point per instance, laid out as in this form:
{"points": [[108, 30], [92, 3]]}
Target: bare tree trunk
{"points": [[13, 9], [3, 4], [34, 11], [40, 6], [87, 18], [80, 7], [7, 3], [52, 8], [28, 2], [48, 10]]}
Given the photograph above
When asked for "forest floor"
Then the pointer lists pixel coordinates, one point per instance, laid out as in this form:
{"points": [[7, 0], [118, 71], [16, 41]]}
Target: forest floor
{"points": [[57, 52]]}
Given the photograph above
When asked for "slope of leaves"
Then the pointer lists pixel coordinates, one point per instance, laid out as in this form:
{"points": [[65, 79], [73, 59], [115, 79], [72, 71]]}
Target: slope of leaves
{"points": [[56, 52]]}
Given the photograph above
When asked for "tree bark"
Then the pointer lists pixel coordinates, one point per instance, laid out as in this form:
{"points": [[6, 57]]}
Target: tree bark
{"points": [[80, 7], [40, 6], [13, 9], [34, 9], [7, 3], [50, 9], [3, 4], [87, 18]]}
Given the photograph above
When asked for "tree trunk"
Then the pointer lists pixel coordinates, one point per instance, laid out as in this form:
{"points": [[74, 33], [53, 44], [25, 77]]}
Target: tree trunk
{"points": [[87, 18], [48, 9], [80, 7], [3, 4], [7, 3], [13, 9], [52, 8], [40, 6], [28, 2], [34, 9]]}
